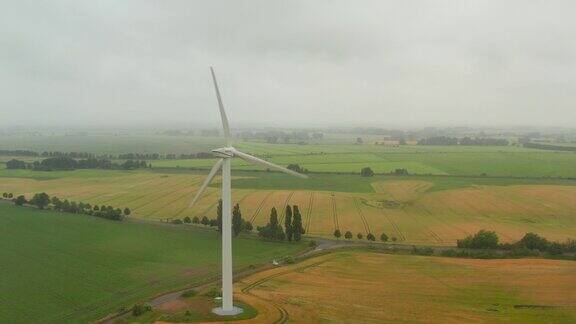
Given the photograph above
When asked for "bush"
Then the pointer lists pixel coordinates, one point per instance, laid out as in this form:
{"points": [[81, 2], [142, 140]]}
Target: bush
{"points": [[383, 237], [359, 236], [394, 239], [367, 172], [187, 220], [337, 234], [348, 235], [534, 241], [188, 293], [212, 293], [20, 200], [422, 251], [370, 237], [140, 309], [176, 221], [449, 253], [289, 260], [482, 240]]}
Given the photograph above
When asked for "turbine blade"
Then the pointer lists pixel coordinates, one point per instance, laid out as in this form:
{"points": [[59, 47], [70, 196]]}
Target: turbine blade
{"points": [[207, 181], [225, 125], [266, 164]]}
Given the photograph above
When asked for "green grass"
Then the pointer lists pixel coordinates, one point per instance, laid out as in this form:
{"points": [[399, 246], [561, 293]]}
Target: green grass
{"points": [[357, 183], [110, 144], [334, 154], [462, 163], [59, 267]]}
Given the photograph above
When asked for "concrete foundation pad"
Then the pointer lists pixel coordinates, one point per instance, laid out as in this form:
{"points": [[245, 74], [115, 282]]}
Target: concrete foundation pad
{"points": [[228, 312]]}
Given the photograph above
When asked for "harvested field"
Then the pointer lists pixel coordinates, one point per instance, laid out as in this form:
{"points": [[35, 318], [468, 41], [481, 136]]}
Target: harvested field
{"points": [[372, 287], [412, 211]]}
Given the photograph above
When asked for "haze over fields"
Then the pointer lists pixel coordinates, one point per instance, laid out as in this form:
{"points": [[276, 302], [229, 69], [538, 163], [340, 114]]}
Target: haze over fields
{"points": [[312, 63]]}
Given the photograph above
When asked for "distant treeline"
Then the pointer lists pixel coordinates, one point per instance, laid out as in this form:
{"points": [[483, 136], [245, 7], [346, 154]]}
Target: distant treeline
{"points": [[121, 156], [487, 240], [18, 153], [468, 141], [169, 156], [277, 136], [42, 201], [551, 147], [68, 163]]}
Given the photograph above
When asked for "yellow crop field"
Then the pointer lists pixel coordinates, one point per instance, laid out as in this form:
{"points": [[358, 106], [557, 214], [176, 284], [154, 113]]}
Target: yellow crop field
{"points": [[408, 210], [364, 287]]}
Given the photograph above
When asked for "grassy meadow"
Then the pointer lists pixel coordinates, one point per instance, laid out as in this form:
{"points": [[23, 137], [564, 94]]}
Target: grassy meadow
{"points": [[376, 288], [496, 161], [59, 267]]}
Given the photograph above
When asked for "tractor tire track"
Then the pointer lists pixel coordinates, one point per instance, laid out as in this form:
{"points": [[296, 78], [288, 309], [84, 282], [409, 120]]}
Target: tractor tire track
{"points": [[284, 315], [362, 217], [286, 202], [401, 236], [334, 212], [260, 206], [309, 212]]}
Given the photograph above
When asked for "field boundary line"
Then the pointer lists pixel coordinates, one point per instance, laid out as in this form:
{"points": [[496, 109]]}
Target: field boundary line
{"points": [[394, 226], [309, 212], [260, 206], [286, 202], [334, 212], [362, 217]]}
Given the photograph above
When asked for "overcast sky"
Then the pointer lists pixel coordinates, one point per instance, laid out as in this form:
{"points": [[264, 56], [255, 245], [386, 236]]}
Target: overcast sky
{"points": [[295, 63]]}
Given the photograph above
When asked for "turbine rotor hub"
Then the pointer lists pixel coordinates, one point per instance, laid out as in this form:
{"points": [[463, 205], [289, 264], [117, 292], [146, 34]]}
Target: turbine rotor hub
{"points": [[224, 152]]}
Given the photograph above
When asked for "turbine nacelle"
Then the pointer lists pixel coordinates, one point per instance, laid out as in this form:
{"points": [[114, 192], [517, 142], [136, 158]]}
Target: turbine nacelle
{"points": [[224, 152]]}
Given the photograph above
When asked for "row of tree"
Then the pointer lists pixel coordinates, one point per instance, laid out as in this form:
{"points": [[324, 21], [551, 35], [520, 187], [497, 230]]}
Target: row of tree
{"points": [[238, 224], [122, 156], [292, 231], [7, 195], [489, 240], [368, 172], [18, 153], [370, 237], [468, 141], [68, 163], [552, 147], [42, 201]]}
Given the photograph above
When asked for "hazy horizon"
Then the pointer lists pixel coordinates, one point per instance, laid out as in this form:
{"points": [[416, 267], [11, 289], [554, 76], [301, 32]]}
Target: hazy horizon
{"points": [[289, 64]]}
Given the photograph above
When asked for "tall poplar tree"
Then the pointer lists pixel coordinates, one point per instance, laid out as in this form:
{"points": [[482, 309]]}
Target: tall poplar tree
{"points": [[288, 223], [297, 228], [236, 220]]}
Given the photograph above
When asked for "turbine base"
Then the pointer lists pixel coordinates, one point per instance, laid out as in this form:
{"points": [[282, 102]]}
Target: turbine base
{"points": [[228, 312]]}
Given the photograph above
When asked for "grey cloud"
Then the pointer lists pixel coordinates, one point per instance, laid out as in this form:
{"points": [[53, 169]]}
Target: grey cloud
{"points": [[288, 62]]}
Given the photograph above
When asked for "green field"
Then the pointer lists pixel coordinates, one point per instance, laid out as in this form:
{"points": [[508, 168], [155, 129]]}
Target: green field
{"points": [[59, 267], [333, 154], [491, 163]]}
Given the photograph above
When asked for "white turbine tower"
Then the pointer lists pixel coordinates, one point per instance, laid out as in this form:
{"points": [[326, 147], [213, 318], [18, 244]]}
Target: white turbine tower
{"points": [[226, 154]]}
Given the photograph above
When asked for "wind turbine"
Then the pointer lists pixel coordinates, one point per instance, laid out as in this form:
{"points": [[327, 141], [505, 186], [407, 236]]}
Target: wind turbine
{"points": [[226, 154]]}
